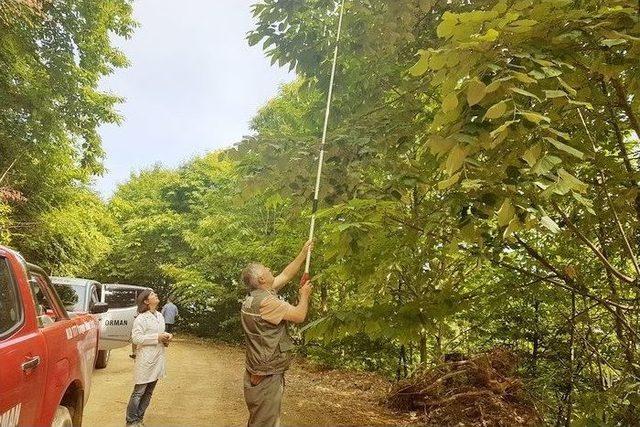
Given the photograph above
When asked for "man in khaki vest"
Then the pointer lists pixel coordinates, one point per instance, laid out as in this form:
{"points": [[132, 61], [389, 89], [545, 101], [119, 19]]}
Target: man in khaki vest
{"points": [[264, 319]]}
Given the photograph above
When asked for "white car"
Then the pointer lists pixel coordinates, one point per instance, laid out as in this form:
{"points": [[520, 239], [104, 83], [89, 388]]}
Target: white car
{"points": [[80, 295]]}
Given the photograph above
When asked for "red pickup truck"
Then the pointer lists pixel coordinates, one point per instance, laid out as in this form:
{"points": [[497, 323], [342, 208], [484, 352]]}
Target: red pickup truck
{"points": [[46, 356]]}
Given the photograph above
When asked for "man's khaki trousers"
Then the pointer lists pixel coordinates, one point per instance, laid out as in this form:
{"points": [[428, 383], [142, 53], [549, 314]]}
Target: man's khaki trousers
{"points": [[264, 400]]}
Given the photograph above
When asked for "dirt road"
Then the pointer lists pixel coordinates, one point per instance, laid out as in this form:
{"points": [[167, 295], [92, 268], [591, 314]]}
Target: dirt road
{"points": [[203, 387]]}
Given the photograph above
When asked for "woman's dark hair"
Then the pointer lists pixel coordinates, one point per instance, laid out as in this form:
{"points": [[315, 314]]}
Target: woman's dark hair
{"points": [[142, 297]]}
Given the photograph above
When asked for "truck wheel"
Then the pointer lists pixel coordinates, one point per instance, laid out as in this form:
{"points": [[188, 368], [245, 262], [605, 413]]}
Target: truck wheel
{"points": [[102, 359], [62, 417]]}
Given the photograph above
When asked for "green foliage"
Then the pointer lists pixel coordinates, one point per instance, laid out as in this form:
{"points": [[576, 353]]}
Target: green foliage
{"points": [[73, 237], [52, 56]]}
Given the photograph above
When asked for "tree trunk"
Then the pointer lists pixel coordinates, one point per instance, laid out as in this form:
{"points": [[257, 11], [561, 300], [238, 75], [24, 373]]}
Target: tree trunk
{"points": [[324, 298], [627, 344], [536, 337], [572, 326], [438, 347]]}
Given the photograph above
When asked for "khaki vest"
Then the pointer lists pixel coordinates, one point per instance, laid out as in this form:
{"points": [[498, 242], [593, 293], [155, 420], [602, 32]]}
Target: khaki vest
{"points": [[268, 345]]}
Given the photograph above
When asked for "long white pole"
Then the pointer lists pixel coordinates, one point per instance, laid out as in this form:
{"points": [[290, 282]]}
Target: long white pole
{"points": [[324, 140]]}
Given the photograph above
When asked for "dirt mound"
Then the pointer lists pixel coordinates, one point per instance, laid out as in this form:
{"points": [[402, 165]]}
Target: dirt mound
{"points": [[478, 391]]}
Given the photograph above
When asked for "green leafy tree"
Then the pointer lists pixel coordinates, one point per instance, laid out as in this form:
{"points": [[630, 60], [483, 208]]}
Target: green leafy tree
{"points": [[52, 56]]}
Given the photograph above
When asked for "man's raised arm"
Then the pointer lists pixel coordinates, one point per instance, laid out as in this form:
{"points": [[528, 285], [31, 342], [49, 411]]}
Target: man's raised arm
{"points": [[298, 313], [292, 269]]}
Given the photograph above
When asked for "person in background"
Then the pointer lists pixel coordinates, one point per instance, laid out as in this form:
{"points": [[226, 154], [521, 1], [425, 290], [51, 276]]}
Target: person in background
{"points": [[170, 312], [264, 319], [149, 336]]}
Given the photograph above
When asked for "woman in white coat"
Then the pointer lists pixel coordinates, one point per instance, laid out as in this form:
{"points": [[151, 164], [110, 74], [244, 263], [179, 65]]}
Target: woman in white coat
{"points": [[149, 337]]}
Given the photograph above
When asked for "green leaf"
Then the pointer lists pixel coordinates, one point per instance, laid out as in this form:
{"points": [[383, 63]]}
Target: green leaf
{"points": [[472, 184], [446, 27], [496, 111], [495, 85], [476, 91], [490, 36], [532, 155], [551, 94], [525, 23], [551, 72], [502, 128], [543, 62], [450, 102], [456, 159], [537, 75], [612, 42], [587, 105], [588, 204], [513, 227], [421, 66], [439, 145], [444, 184], [463, 137], [564, 147], [525, 93], [550, 224], [571, 182], [546, 164], [534, 117], [524, 78], [556, 132], [568, 88], [506, 213], [254, 38]]}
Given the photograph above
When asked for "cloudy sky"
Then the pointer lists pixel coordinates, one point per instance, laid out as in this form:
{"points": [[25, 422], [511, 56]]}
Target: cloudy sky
{"points": [[193, 85]]}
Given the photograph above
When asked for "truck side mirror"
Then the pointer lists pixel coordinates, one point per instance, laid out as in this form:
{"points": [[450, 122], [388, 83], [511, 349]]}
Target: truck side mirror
{"points": [[99, 307]]}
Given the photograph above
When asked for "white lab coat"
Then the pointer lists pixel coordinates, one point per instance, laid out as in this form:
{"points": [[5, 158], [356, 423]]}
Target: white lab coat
{"points": [[150, 357]]}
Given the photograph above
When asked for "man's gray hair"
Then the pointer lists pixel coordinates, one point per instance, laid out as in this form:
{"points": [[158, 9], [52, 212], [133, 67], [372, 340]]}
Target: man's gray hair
{"points": [[250, 275]]}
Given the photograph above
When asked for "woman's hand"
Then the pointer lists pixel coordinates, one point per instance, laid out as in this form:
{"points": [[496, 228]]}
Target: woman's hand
{"points": [[165, 338]]}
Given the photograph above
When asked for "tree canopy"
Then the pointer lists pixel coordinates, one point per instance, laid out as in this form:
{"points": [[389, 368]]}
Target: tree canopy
{"points": [[52, 56]]}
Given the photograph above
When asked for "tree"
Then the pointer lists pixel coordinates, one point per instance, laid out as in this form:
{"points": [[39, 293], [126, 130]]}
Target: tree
{"points": [[52, 56]]}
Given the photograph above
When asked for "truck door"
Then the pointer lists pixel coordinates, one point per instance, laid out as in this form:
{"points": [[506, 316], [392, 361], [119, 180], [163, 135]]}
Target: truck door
{"points": [[23, 357], [63, 340], [117, 322]]}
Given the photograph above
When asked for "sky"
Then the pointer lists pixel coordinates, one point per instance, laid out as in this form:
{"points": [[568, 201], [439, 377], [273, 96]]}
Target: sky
{"points": [[193, 85]]}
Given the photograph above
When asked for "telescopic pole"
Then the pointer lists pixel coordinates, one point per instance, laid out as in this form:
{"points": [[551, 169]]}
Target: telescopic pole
{"points": [[312, 227]]}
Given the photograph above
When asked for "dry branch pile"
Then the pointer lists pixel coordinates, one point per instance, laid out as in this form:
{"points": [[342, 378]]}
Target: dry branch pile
{"points": [[478, 391], [9, 195]]}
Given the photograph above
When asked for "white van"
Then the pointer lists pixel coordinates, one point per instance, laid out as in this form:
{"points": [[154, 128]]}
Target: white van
{"points": [[116, 323], [123, 308]]}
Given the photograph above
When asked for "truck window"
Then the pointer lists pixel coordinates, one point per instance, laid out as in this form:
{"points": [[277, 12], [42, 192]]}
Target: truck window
{"points": [[45, 310], [72, 296], [94, 297], [10, 304], [120, 298]]}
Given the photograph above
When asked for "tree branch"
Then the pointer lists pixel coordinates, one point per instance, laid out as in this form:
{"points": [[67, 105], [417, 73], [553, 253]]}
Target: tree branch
{"points": [[4, 175], [569, 283], [624, 104], [594, 249], [616, 129]]}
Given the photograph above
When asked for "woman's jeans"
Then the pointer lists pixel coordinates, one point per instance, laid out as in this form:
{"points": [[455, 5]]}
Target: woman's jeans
{"points": [[139, 401]]}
